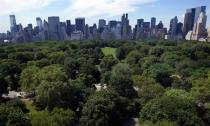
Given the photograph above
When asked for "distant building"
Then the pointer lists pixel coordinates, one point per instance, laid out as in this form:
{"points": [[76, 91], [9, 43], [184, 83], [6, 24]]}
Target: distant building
{"points": [[54, 28], [39, 23], [87, 32], [116, 32], [173, 28], [112, 24], [179, 31], [199, 10], [80, 24], [101, 23], [106, 34], [153, 22], [13, 26], [146, 29], [77, 35], [63, 35], [68, 28], [191, 18], [125, 27], [189, 35], [199, 30], [187, 23]]}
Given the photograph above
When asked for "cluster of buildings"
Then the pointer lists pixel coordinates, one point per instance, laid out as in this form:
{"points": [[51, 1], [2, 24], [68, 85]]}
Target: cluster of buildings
{"points": [[193, 28]]}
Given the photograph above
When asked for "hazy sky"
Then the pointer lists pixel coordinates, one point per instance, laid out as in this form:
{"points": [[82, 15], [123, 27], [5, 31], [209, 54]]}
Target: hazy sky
{"points": [[26, 11]]}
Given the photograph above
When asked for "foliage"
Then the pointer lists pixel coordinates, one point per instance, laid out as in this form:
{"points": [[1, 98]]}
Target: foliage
{"points": [[176, 109], [28, 78], [167, 81], [58, 117], [104, 108], [13, 116]]}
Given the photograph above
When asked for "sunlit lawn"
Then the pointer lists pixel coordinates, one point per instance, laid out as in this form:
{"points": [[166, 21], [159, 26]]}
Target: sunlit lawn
{"points": [[109, 51]]}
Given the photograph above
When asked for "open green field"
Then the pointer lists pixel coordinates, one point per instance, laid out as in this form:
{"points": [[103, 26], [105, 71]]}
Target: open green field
{"points": [[109, 51]]}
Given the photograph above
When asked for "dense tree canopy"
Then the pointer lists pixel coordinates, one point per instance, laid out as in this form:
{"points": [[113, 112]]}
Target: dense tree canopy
{"points": [[103, 83]]}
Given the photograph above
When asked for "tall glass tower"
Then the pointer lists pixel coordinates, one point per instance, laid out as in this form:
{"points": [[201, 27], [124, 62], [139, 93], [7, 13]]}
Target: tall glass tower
{"points": [[13, 25]]}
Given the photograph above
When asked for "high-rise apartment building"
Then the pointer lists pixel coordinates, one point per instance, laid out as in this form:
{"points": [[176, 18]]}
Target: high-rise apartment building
{"points": [[188, 22], [199, 10], [54, 28], [13, 26], [39, 23], [199, 29], [125, 26], [68, 27], [112, 24], [173, 28], [191, 18], [101, 23], [153, 22], [80, 24]]}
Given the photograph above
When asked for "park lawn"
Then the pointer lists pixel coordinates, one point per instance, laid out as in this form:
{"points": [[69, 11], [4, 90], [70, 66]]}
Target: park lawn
{"points": [[109, 51]]}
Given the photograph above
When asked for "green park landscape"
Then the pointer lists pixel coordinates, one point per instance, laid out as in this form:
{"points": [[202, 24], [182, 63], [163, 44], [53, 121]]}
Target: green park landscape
{"points": [[157, 82]]}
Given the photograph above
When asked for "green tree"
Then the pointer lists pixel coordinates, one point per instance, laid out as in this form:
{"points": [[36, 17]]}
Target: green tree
{"points": [[61, 117], [23, 57], [156, 51], [89, 74], [13, 116], [121, 53], [175, 109], [71, 67], [104, 108], [17, 118], [3, 86], [16, 103], [121, 70], [107, 63], [28, 78], [161, 73], [134, 57], [10, 71]]}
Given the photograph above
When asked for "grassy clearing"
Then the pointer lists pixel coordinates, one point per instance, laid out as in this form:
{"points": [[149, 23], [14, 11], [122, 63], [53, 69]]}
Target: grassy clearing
{"points": [[109, 51]]}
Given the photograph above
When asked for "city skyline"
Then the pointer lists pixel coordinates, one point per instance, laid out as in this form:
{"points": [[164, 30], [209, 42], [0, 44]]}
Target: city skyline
{"points": [[136, 8]]}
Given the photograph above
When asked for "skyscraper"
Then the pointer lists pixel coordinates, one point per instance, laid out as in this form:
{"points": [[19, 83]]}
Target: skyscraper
{"points": [[138, 31], [80, 24], [125, 26], [101, 23], [39, 23], [188, 22], [191, 17], [13, 26], [160, 25], [199, 29], [179, 28], [192, 12], [68, 27], [153, 22], [112, 24], [198, 10], [146, 29], [54, 27], [173, 28]]}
